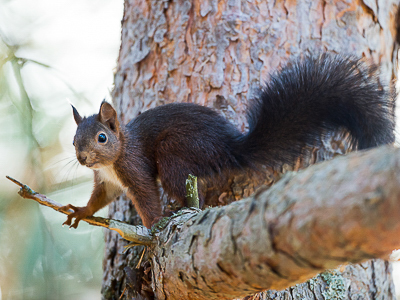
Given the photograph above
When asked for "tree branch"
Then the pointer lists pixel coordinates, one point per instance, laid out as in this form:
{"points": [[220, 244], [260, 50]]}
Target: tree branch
{"points": [[137, 234], [344, 210]]}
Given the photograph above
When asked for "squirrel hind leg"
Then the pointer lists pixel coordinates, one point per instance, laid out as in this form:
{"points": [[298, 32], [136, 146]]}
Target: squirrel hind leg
{"points": [[173, 174], [147, 203]]}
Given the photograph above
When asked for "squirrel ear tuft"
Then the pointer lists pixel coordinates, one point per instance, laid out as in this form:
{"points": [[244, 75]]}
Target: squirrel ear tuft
{"points": [[108, 116], [77, 116]]}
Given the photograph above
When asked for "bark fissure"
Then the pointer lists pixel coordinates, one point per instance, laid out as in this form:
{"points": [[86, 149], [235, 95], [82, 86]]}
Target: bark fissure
{"points": [[373, 281], [233, 241]]}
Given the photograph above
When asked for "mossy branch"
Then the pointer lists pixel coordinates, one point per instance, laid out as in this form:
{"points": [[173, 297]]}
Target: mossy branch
{"points": [[137, 234]]}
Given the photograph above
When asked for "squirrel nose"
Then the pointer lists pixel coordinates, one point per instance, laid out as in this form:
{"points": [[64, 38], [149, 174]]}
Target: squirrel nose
{"points": [[82, 158]]}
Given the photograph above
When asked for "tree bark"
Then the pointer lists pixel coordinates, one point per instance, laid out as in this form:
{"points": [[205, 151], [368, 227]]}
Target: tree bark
{"points": [[216, 53], [308, 222]]}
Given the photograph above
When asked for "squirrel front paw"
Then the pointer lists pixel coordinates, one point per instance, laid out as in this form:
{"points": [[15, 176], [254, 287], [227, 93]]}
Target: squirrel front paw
{"points": [[79, 214]]}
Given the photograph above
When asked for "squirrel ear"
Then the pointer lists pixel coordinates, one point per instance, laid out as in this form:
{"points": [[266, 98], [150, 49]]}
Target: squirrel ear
{"points": [[108, 116], [77, 116]]}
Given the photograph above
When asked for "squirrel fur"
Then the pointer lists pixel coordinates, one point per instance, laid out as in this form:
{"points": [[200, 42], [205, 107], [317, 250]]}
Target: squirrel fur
{"points": [[302, 101]]}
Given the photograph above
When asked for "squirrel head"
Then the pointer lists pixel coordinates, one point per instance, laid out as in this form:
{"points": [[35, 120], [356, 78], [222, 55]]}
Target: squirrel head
{"points": [[98, 138]]}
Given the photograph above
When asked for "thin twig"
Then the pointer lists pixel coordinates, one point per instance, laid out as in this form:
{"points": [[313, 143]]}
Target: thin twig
{"points": [[141, 258], [138, 234]]}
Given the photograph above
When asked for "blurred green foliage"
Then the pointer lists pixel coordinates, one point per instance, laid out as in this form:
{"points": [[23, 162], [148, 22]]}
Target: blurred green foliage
{"points": [[38, 258]]}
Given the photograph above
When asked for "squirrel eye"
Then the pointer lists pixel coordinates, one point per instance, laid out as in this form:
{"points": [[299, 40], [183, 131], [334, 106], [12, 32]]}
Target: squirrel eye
{"points": [[102, 138], [73, 142]]}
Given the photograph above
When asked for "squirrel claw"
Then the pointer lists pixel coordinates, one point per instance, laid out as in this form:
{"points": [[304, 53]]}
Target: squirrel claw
{"points": [[75, 225], [68, 223]]}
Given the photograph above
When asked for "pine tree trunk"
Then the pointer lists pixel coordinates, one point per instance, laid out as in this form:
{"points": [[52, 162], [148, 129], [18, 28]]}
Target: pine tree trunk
{"points": [[217, 53]]}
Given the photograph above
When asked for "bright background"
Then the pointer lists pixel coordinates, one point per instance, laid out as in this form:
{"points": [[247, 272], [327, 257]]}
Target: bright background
{"points": [[51, 51]]}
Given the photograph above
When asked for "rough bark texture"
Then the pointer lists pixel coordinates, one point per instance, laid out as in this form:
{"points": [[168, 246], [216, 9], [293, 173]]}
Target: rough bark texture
{"points": [[216, 53], [306, 223]]}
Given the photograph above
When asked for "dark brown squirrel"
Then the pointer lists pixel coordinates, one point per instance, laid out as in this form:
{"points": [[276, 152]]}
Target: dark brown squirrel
{"points": [[302, 101]]}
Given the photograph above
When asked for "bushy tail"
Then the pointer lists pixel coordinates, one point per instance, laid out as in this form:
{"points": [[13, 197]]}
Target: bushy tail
{"points": [[312, 96]]}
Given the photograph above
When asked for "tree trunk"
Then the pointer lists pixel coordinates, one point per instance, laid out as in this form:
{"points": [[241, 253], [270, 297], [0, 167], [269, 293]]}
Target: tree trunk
{"points": [[216, 53]]}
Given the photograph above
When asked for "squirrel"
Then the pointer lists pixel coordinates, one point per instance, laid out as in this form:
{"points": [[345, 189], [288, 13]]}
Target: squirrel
{"points": [[303, 100]]}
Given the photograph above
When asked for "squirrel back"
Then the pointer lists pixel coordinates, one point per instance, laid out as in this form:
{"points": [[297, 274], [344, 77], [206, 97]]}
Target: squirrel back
{"points": [[304, 100]]}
